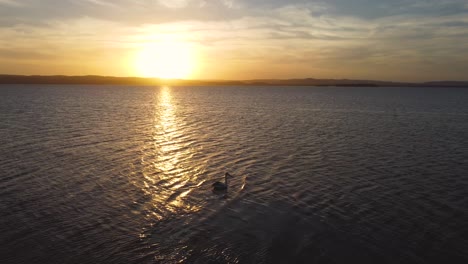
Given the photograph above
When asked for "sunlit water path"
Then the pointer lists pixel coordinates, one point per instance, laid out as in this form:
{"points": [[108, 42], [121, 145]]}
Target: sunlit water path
{"points": [[101, 174]]}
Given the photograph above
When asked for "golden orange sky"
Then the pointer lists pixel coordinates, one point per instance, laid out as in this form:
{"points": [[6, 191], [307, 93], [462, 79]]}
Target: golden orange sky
{"points": [[228, 39]]}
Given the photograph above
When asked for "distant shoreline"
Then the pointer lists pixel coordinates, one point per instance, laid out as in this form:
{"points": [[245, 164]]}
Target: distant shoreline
{"points": [[108, 80]]}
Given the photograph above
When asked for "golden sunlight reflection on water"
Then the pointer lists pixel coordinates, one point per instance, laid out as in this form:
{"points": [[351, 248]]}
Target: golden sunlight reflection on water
{"points": [[169, 173], [165, 131]]}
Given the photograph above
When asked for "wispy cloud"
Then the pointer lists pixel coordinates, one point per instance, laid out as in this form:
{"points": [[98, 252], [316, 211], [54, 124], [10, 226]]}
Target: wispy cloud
{"points": [[175, 3], [101, 3], [10, 3]]}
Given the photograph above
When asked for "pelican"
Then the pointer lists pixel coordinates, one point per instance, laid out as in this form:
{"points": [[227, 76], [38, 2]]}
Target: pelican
{"points": [[219, 186]]}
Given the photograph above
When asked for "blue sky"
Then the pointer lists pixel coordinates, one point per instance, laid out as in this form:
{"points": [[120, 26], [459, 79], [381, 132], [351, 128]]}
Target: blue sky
{"points": [[410, 40]]}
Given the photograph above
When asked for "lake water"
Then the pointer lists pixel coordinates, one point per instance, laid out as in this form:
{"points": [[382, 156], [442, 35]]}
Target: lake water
{"points": [[102, 174]]}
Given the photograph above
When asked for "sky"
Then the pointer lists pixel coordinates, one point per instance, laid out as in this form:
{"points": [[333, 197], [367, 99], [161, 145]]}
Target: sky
{"points": [[399, 40]]}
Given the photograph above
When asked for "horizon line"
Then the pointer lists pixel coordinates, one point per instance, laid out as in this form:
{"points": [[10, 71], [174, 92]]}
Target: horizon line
{"points": [[227, 80]]}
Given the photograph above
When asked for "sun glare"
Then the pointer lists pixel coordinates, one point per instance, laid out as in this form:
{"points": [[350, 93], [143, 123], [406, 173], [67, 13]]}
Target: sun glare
{"points": [[167, 60]]}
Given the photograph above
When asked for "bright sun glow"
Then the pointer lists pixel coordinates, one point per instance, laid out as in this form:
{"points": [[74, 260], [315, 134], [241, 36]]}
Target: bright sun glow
{"points": [[167, 60]]}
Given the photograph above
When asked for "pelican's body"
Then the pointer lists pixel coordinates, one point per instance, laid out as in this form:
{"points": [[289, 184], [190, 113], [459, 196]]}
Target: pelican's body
{"points": [[220, 186]]}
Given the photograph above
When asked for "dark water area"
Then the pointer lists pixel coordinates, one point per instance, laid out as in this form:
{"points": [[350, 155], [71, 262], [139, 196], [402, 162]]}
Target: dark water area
{"points": [[102, 174]]}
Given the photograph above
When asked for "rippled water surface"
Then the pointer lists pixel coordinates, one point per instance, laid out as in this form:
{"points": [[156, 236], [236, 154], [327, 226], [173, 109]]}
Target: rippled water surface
{"points": [[101, 174]]}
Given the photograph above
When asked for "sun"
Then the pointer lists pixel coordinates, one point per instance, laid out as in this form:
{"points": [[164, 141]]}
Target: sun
{"points": [[167, 60]]}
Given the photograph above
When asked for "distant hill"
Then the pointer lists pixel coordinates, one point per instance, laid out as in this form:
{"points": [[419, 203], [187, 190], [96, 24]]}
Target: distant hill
{"points": [[446, 83], [108, 80]]}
